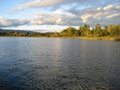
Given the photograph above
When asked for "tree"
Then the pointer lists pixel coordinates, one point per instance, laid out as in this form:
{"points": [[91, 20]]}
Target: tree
{"points": [[85, 30], [76, 33], [114, 30], [98, 30], [68, 32]]}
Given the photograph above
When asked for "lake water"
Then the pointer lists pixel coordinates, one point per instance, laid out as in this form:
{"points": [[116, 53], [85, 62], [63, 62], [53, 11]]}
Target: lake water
{"points": [[59, 64]]}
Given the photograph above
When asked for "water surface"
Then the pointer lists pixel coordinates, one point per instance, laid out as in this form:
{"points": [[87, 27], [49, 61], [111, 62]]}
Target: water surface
{"points": [[59, 64]]}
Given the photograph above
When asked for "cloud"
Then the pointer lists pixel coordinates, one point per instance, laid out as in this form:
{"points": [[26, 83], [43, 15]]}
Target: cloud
{"points": [[85, 17], [72, 16], [113, 15], [4, 22], [55, 3], [109, 7], [106, 14], [67, 12], [58, 17], [112, 7], [38, 3]]}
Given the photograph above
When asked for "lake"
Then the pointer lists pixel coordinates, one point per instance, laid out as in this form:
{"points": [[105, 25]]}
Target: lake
{"points": [[59, 64]]}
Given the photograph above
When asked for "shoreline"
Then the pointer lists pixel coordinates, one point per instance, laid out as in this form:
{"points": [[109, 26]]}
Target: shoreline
{"points": [[82, 38]]}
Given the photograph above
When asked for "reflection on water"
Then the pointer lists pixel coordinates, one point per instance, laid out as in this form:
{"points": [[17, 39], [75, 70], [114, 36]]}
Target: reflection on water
{"points": [[59, 64]]}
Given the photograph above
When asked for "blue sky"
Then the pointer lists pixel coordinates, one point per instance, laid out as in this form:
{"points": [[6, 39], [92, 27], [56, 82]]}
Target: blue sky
{"points": [[55, 15]]}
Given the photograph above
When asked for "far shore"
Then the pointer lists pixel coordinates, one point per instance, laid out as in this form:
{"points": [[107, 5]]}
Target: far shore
{"points": [[82, 38], [110, 32]]}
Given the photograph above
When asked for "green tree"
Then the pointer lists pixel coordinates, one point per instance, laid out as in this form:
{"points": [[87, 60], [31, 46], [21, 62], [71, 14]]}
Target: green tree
{"points": [[85, 30], [68, 32], [98, 30], [114, 30]]}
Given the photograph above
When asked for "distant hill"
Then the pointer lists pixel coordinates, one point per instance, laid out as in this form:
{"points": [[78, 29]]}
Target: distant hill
{"points": [[19, 31]]}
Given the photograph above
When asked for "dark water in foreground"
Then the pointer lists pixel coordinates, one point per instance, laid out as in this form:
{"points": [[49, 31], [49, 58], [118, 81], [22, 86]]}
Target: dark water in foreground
{"points": [[59, 64]]}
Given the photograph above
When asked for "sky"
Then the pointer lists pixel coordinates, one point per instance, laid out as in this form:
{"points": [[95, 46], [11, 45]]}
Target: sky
{"points": [[55, 15]]}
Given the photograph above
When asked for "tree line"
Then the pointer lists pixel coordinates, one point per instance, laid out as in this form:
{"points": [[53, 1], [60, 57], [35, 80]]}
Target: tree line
{"points": [[97, 31], [83, 31]]}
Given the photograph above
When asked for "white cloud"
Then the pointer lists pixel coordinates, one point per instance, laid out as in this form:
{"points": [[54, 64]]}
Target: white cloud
{"points": [[112, 7], [58, 17], [53, 3], [109, 7], [4, 22], [73, 16], [85, 17], [37, 3], [99, 9], [68, 17], [113, 15], [98, 14], [102, 14]]}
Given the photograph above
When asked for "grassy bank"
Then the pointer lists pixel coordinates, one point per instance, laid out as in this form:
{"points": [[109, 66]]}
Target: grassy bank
{"points": [[82, 38], [100, 38]]}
